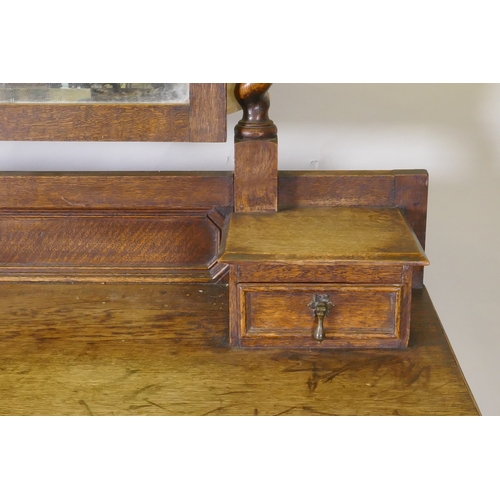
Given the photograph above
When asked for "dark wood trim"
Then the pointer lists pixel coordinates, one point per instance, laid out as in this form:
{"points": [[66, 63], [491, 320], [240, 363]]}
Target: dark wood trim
{"points": [[203, 119]]}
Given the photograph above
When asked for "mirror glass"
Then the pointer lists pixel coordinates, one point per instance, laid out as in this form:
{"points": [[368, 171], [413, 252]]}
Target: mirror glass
{"points": [[159, 93]]}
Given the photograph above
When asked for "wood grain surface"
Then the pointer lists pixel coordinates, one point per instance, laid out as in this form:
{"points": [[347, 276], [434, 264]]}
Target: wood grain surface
{"points": [[94, 122], [321, 235], [405, 189], [330, 188], [102, 239], [112, 227], [101, 246], [162, 350], [207, 112], [256, 176], [291, 273], [115, 191]]}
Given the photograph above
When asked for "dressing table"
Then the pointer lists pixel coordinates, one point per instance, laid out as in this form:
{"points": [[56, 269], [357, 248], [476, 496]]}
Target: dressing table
{"points": [[175, 293]]}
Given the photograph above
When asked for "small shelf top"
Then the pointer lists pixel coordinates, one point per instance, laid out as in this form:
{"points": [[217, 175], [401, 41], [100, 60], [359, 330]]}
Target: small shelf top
{"points": [[322, 235]]}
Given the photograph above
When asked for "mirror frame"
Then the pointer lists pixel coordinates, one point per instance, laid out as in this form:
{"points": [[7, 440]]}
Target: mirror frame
{"points": [[202, 119]]}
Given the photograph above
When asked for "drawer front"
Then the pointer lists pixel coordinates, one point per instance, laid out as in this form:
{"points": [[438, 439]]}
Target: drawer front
{"points": [[285, 315]]}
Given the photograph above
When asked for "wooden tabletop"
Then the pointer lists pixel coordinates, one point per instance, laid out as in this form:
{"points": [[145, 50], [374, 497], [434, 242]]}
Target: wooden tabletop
{"points": [[113, 349]]}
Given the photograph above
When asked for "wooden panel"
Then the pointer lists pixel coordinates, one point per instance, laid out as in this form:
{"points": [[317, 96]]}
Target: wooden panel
{"points": [[279, 315], [94, 122], [54, 361], [268, 273], [336, 188], [256, 176], [119, 191], [98, 239], [152, 226], [152, 189], [207, 112], [98, 245]]}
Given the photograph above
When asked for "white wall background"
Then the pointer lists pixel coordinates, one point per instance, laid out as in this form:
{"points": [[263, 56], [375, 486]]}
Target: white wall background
{"points": [[452, 130]]}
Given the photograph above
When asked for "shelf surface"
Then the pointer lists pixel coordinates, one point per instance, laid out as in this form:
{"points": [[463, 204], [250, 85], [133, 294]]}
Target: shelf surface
{"points": [[322, 235]]}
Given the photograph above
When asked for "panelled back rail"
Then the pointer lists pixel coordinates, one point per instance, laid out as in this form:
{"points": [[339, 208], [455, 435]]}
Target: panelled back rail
{"points": [[162, 227]]}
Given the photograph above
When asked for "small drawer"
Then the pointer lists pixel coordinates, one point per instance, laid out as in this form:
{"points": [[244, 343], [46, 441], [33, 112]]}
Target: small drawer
{"points": [[321, 316]]}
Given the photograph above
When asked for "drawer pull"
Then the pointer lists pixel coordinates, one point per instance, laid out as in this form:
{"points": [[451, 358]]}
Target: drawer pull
{"points": [[321, 306]]}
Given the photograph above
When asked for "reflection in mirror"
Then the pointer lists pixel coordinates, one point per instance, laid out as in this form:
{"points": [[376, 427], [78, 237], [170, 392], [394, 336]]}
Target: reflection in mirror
{"points": [[160, 93]]}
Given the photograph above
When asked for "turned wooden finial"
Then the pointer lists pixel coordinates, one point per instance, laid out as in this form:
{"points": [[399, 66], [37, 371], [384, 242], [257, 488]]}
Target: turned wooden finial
{"points": [[255, 123]]}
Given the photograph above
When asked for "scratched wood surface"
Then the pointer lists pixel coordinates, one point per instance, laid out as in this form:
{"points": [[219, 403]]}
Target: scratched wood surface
{"points": [[118, 349]]}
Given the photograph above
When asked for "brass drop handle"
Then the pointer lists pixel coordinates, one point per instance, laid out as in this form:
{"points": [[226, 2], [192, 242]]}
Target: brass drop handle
{"points": [[321, 306]]}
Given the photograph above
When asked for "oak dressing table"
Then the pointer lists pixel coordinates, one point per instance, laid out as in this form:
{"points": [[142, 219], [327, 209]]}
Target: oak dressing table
{"points": [[117, 296]]}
